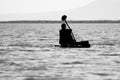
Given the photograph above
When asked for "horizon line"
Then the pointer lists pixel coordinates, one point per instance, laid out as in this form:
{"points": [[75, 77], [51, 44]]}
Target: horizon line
{"points": [[59, 21]]}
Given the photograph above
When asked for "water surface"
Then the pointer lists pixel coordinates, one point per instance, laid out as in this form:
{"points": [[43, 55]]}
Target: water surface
{"points": [[27, 52]]}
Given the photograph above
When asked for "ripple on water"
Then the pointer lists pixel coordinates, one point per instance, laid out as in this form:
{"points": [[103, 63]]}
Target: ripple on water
{"points": [[22, 44], [52, 78], [109, 54], [103, 74], [2, 61], [25, 50], [4, 51], [118, 62], [73, 63], [55, 78], [30, 79]]}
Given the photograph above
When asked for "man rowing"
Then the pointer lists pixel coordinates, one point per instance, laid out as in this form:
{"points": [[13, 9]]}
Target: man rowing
{"points": [[67, 38]]}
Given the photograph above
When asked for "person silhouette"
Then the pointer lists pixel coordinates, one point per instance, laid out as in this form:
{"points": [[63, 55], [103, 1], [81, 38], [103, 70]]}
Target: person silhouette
{"points": [[66, 38]]}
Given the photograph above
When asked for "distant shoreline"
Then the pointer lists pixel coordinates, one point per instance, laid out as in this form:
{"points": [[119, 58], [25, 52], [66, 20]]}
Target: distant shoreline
{"points": [[70, 21]]}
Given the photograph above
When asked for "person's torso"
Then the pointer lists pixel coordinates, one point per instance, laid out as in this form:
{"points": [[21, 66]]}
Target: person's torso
{"points": [[65, 36]]}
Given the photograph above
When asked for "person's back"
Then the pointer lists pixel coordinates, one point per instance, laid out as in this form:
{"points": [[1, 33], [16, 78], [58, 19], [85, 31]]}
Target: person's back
{"points": [[66, 38]]}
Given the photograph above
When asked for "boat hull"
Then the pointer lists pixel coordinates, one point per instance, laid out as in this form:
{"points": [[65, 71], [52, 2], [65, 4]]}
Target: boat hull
{"points": [[81, 44]]}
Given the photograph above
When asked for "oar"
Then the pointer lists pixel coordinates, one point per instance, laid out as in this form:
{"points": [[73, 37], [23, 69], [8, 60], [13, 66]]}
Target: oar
{"points": [[64, 19]]}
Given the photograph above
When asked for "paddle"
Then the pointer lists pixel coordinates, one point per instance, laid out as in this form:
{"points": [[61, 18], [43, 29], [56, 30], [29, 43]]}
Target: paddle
{"points": [[64, 19]]}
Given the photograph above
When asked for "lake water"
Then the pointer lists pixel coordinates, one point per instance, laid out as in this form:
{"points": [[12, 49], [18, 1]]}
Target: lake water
{"points": [[28, 52]]}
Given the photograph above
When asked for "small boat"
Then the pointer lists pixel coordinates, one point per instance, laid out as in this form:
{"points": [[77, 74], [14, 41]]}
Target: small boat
{"points": [[82, 44]]}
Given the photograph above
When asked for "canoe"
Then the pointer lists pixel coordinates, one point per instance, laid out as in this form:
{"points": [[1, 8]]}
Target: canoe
{"points": [[81, 44]]}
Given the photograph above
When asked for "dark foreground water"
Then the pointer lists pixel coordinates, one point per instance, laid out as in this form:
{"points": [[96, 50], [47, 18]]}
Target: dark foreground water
{"points": [[27, 52]]}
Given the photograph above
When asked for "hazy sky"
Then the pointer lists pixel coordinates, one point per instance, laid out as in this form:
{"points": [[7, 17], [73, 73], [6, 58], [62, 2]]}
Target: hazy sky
{"points": [[54, 9]]}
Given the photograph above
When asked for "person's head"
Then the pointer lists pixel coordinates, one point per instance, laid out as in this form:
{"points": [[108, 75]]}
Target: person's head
{"points": [[63, 26]]}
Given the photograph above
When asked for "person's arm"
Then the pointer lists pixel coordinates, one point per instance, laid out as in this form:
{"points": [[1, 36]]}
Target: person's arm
{"points": [[70, 30]]}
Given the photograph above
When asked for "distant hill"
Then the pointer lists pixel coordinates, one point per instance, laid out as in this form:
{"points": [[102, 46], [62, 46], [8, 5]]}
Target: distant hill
{"points": [[70, 21], [97, 10]]}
